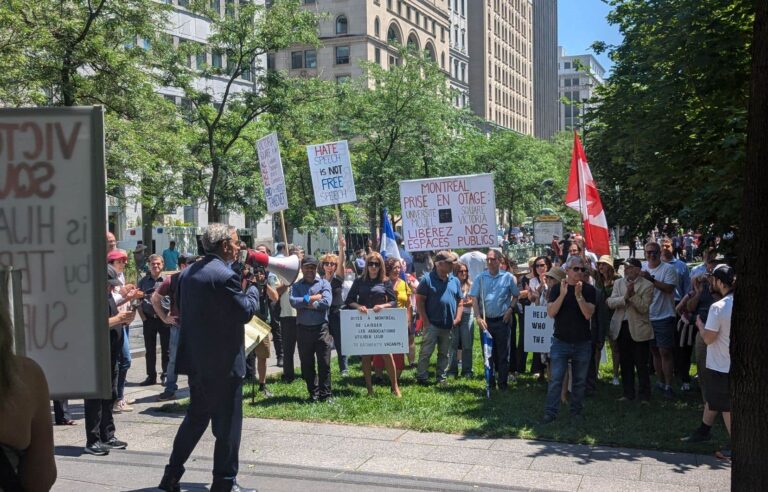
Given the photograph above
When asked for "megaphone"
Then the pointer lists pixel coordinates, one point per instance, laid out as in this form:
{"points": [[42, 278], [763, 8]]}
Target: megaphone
{"points": [[285, 268]]}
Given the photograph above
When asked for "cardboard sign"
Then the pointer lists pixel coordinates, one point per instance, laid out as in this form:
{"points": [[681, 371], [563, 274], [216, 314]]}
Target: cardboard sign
{"points": [[52, 229], [272, 176], [331, 172], [256, 331], [539, 329], [544, 231], [385, 332], [457, 212]]}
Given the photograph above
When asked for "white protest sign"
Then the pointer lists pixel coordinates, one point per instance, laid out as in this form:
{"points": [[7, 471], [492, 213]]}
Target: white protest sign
{"points": [[385, 332], [331, 173], [454, 212], [52, 229], [543, 231], [272, 173], [539, 329]]}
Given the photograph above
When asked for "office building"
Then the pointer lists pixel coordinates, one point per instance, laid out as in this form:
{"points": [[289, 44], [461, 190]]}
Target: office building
{"points": [[546, 98], [579, 76]]}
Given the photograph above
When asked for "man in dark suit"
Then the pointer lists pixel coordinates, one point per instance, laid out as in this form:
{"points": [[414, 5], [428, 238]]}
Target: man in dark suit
{"points": [[213, 311]]}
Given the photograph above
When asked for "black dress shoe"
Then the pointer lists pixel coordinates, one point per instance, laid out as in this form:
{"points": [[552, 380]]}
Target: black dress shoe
{"points": [[149, 381], [169, 483], [228, 486]]}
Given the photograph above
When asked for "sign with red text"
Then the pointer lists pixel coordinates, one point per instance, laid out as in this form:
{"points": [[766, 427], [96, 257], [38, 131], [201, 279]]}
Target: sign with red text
{"points": [[457, 212], [52, 230], [331, 172], [272, 173]]}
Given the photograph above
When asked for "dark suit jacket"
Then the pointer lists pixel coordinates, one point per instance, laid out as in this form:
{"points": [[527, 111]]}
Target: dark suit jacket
{"points": [[213, 311]]}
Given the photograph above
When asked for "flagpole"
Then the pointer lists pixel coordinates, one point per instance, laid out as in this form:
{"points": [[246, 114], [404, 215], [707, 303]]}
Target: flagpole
{"points": [[338, 220], [582, 198]]}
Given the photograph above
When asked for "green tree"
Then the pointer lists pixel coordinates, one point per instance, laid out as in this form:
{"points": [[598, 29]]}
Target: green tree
{"points": [[239, 42], [669, 132], [404, 126]]}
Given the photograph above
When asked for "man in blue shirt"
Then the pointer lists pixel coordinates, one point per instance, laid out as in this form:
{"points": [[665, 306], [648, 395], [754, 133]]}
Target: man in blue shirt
{"points": [[171, 257], [438, 300], [311, 297], [494, 294]]}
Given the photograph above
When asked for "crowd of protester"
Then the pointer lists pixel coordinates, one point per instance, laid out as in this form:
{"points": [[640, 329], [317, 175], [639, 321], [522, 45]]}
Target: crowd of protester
{"points": [[655, 316]]}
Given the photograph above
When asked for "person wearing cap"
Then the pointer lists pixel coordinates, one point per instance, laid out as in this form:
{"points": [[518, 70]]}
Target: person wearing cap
{"points": [[99, 422], [213, 310], [630, 299], [494, 294], [439, 300], [118, 259], [571, 304], [716, 334], [311, 298]]}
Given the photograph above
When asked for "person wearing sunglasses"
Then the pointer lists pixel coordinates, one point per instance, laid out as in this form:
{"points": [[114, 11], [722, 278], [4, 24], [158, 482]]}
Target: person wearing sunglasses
{"points": [[662, 315], [571, 304], [533, 289], [374, 291], [333, 272]]}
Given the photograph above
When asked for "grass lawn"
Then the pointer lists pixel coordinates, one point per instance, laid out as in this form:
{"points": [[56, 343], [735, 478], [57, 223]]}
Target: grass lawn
{"points": [[461, 407]]}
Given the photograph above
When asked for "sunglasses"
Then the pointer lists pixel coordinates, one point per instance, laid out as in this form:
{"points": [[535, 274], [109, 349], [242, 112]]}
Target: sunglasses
{"points": [[328, 263], [578, 269], [539, 265], [374, 264]]}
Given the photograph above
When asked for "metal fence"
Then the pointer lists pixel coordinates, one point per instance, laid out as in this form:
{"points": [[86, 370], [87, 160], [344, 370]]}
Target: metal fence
{"points": [[521, 252]]}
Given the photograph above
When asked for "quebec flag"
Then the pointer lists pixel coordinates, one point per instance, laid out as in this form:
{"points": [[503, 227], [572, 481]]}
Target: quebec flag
{"points": [[388, 247]]}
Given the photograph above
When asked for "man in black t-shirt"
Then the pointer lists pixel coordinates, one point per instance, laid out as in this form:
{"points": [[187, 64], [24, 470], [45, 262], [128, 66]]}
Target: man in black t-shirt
{"points": [[571, 304]]}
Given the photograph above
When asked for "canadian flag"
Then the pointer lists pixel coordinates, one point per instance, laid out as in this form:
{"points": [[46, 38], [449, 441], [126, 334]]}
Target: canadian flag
{"points": [[583, 197]]}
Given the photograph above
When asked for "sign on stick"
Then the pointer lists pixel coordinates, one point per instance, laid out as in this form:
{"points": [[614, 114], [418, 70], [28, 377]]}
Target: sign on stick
{"points": [[272, 173], [454, 212], [385, 332], [52, 229], [331, 173], [539, 329], [544, 231]]}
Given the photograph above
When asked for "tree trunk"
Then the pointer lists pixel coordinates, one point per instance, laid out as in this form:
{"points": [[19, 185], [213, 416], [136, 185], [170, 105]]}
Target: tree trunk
{"points": [[147, 222], [749, 343]]}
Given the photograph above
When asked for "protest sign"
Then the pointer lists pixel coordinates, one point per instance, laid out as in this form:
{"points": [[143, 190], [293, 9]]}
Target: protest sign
{"points": [[331, 173], [454, 212], [272, 173], [385, 332], [52, 229], [543, 231], [539, 329]]}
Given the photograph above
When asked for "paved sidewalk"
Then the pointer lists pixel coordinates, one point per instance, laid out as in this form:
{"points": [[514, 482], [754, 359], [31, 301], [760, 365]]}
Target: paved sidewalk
{"points": [[282, 455]]}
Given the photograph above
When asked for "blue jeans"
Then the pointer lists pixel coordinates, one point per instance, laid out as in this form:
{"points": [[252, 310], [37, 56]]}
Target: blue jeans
{"points": [[561, 352], [464, 333], [170, 375], [434, 336], [123, 362]]}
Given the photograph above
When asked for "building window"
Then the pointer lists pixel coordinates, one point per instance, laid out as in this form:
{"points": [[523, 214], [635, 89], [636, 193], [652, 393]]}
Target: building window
{"points": [[342, 55], [297, 58], [341, 24], [377, 27], [418, 17], [216, 59], [389, 4], [393, 34], [377, 55], [442, 60], [567, 65], [399, 8], [340, 79], [307, 2], [270, 61], [310, 59], [183, 3], [246, 73], [567, 82]]}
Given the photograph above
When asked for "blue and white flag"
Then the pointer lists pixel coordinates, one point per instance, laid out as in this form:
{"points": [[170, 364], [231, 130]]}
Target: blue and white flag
{"points": [[388, 247]]}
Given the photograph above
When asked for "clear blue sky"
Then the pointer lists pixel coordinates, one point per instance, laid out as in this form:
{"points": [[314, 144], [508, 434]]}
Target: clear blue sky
{"points": [[582, 22]]}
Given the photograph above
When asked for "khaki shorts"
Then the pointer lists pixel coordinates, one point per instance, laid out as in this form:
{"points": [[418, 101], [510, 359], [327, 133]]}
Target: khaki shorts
{"points": [[262, 349]]}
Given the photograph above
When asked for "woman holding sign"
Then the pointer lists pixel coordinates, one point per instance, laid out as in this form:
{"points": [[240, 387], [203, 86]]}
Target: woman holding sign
{"points": [[373, 291]]}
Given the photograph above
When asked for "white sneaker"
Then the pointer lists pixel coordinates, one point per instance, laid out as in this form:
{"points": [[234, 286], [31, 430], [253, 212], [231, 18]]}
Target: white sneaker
{"points": [[125, 406], [116, 407], [615, 381]]}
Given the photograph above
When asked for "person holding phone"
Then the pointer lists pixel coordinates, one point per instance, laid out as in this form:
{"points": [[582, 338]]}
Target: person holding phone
{"points": [[571, 304]]}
